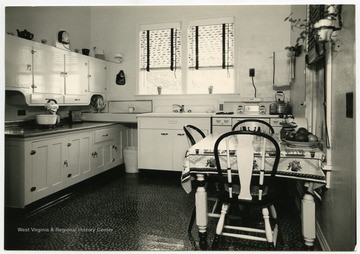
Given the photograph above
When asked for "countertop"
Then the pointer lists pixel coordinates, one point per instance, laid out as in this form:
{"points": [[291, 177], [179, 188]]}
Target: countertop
{"points": [[33, 130]]}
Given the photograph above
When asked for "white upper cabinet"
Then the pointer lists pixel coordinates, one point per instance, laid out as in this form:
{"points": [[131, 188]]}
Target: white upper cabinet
{"points": [[42, 72], [76, 72], [97, 75], [48, 70], [18, 64]]}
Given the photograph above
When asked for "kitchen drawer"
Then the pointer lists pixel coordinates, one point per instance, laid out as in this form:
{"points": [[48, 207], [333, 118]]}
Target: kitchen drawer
{"points": [[172, 123], [104, 135], [43, 98], [77, 99]]}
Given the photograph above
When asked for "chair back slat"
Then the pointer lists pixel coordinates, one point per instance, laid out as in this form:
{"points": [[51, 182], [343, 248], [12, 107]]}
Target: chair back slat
{"points": [[245, 163], [245, 150]]}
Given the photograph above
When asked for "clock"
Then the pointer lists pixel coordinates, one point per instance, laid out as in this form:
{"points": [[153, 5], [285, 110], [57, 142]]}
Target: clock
{"points": [[63, 37]]}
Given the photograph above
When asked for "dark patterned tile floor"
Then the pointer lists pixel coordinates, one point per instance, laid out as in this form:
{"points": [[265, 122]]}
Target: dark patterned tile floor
{"points": [[127, 212]]}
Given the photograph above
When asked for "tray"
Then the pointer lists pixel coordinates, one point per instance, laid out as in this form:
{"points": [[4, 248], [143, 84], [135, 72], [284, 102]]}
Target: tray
{"points": [[292, 143]]}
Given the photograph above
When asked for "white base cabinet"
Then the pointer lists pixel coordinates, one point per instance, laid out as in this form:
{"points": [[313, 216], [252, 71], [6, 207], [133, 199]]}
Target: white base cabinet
{"points": [[162, 142], [39, 166]]}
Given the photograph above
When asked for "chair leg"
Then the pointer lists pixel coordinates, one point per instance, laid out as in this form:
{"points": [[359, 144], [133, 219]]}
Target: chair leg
{"points": [[192, 219], [220, 226], [268, 231]]}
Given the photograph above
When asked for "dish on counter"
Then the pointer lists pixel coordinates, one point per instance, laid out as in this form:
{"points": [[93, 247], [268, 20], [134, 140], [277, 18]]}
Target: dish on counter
{"points": [[292, 143]]}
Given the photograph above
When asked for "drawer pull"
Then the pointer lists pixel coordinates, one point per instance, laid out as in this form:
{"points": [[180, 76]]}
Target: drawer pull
{"points": [[105, 135], [164, 133], [181, 134], [66, 164]]}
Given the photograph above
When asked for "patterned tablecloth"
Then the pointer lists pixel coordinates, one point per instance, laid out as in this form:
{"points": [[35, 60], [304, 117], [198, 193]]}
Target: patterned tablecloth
{"points": [[302, 163]]}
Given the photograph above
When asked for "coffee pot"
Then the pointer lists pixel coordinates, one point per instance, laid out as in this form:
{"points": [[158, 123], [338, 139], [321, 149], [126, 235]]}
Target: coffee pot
{"points": [[25, 34]]}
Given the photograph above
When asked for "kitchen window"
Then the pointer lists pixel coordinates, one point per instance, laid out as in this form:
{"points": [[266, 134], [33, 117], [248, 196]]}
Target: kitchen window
{"points": [[209, 62], [211, 56], [160, 59]]}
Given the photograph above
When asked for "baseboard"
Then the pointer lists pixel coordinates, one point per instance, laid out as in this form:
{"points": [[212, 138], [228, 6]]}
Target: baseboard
{"points": [[321, 238]]}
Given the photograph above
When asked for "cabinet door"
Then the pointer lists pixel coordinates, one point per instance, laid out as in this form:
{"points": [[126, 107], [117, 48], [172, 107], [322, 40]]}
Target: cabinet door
{"points": [[18, 63], [180, 145], [155, 149], [47, 166], [104, 155], [97, 75], [48, 70], [79, 157], [76, 74]]}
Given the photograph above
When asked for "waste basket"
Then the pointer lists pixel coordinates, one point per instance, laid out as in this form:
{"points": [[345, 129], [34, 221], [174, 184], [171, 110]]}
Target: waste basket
{"points": [[130, 158]]}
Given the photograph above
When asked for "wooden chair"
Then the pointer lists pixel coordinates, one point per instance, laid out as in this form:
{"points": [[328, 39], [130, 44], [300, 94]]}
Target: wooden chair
{"points": [[241, 187], [191, 131], [254, 125]]}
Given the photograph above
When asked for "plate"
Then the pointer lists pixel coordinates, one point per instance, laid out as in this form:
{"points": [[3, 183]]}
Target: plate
{"points": [[292, 143]]}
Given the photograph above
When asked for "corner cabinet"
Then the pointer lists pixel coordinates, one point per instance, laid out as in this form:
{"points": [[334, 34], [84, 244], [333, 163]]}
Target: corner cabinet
{"points": [[162, 143], [40, 166]]}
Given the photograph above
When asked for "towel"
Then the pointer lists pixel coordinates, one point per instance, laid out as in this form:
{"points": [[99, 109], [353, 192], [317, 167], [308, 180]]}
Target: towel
{"points": [[283, 68]]}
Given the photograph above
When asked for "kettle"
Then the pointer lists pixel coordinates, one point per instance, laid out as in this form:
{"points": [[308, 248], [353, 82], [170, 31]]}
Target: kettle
{"points": [[279, 106], [25, 34]]}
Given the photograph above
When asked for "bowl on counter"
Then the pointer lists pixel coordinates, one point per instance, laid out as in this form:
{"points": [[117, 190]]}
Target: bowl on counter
{"points": [[46, 119]]}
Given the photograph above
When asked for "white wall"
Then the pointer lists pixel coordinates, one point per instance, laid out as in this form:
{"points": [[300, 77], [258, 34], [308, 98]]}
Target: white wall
{"points": [[259, 30], [336, 214], [338, 210], [45, 22]]}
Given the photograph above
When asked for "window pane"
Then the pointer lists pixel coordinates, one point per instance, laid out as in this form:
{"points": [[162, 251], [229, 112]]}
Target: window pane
{"points": [[211, 58], [221, 80], [170, 81], [160, 58]]}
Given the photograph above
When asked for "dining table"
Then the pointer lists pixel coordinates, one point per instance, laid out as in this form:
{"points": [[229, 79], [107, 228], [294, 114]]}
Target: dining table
{"points": [[302, 162]]}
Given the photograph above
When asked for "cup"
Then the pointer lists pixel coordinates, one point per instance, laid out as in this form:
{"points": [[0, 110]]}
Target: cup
{"points": [[131, 109]]}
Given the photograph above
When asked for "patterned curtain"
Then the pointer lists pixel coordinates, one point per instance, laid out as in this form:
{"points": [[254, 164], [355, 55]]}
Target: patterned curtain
{"points": [[160, 49], [211, 46]]}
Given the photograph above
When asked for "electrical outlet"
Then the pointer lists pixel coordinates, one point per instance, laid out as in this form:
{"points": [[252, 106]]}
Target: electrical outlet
{"points": [[251, 72]]}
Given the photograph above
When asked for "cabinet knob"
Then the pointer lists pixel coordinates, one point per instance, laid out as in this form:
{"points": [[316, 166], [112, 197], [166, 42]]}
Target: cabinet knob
{"points": [[33, 189], [68, 144], [69, 175], [33, 152], [66, 163]]}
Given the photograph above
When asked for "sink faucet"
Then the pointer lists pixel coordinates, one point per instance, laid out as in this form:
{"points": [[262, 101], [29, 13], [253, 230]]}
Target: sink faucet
{"points": [[180, 109]]}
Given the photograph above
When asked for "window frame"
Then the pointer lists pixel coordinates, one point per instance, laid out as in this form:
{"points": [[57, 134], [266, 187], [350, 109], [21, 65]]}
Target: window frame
{"points": [[184, 66]]}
